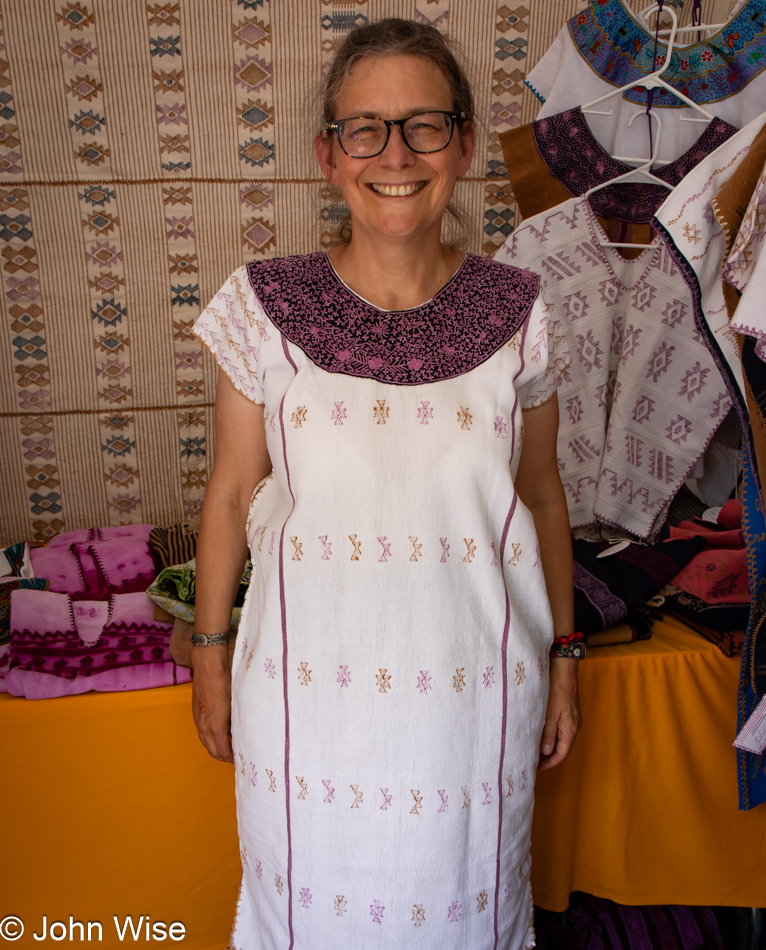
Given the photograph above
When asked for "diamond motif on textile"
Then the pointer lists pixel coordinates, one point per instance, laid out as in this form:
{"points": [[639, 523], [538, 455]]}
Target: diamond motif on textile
{"points": [[660, 361], [643, 409], [693, 381]]}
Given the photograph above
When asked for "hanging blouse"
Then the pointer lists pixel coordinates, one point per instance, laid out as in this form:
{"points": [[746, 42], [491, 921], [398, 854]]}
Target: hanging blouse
{"points": [[556, 158], [642, 397], [605, 46]]}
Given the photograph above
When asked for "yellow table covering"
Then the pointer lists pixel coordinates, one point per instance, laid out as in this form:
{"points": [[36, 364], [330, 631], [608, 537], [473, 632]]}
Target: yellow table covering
{"points": [[112, 807]]}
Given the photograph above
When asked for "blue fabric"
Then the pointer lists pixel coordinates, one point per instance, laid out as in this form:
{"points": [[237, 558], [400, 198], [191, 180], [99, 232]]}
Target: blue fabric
{"points": [[752, 768]]}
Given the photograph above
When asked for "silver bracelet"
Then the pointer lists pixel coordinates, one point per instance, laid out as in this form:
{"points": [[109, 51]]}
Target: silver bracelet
{"points": [[210, 639]]}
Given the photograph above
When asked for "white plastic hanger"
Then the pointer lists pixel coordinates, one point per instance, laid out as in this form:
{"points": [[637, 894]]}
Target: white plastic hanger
{"points": [[654, 80], [642, 174], [700, 27]]}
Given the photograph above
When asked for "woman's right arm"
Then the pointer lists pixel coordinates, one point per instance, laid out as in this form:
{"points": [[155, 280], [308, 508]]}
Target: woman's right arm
{"points": [[241, 461]]}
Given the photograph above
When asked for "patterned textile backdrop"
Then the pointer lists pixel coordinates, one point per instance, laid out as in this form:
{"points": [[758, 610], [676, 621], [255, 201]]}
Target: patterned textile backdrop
{"points": [[146, 150]]}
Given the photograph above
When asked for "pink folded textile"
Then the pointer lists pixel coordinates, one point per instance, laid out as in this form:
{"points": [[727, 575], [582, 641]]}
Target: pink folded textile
{"points": [[60, 647], [137, 531], [96, 568], [718, 574], [118, 566]]}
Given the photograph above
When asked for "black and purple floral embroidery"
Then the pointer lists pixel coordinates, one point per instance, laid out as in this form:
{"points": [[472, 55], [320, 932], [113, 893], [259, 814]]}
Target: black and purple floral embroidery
{"points": [[578, 160], [470, 318]]}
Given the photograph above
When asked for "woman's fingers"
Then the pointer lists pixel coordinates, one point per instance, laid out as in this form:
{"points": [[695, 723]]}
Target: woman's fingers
{"points": [[211, 708]]}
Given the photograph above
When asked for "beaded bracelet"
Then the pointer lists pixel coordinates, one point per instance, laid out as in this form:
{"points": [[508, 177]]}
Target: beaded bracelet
{"points": [[570, 647]]}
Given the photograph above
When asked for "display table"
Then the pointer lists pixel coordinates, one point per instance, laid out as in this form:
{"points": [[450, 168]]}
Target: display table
{"points": [[112, 807]]}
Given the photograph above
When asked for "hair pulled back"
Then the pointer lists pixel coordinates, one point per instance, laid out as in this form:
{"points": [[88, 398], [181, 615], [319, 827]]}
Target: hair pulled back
{"points": [[393, 36]]}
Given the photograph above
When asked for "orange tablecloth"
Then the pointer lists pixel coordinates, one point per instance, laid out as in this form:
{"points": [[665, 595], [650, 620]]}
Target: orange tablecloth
{"points": [[112, 807]]}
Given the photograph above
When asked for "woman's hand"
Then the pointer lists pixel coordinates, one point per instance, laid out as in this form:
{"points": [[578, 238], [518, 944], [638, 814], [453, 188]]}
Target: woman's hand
{"points": [[562, 718], [211, 700]]}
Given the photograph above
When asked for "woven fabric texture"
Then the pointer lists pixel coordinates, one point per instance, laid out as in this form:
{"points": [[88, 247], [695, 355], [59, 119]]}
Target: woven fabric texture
{"points": [[147, 149]]}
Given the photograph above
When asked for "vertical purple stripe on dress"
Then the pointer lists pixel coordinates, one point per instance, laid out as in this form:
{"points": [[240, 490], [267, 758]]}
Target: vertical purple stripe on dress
{"points": [[283, 607], [504, 650]]}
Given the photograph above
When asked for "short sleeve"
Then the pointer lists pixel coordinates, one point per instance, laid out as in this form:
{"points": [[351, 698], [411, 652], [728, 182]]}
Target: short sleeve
{"points": [[232, 327], [545, 345]]}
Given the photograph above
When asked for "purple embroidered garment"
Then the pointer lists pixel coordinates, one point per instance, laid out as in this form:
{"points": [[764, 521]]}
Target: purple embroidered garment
{"points": [[470, 318], [60, 647], [575, 157], [86, 569]]}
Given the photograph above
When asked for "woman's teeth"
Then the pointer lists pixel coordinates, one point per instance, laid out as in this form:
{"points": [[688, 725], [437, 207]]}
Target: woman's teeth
{"points": [[398, 191]]}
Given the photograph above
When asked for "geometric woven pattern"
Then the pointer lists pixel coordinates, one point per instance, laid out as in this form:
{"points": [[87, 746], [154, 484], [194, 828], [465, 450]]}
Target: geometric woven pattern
{"points": [[147, 149]]}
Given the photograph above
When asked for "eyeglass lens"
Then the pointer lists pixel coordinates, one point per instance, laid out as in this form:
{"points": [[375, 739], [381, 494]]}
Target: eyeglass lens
{"points": [[425, 132]]}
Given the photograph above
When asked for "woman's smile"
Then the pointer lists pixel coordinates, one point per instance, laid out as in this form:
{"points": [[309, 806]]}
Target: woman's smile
{"points": [[398, 191]]}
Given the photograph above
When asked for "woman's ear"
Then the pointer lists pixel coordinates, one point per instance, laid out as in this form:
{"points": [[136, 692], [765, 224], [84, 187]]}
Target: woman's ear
{"points": [[467, 139], [326, 156]]}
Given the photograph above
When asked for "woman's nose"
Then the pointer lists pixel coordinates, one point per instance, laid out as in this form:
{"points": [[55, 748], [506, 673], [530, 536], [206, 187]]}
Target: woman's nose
{"points": [[397, 152]]}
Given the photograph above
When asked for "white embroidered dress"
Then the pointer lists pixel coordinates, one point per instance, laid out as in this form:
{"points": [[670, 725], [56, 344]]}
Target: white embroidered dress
{"points": [[390, 678]]}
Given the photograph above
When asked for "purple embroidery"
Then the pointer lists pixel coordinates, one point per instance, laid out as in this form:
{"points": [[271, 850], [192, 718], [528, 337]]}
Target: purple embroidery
{"points": [[524, 780], [254, 776], [444, 799], [589, 351], [271, 670], [327, 545], [424, 682], [244, 648], [305, 898], [489, 677], [454, 912], [343, 334], [487, 793], [344, 677], [574, 156], [376, 911], [386, 553], [501, 428], [508, 891], [674, 313], [330, 791], [258, 869], [643, 296], [494, 554], [643, 409], [445, 551], [386, 800], [338, 414], [271, 545], [660, 361], [693, 381], [425, 413]]}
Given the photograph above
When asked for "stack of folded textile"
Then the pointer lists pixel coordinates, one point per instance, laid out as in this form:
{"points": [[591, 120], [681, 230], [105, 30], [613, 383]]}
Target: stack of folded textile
{"points": [[83, 621], [613, 585], [711, 594]]}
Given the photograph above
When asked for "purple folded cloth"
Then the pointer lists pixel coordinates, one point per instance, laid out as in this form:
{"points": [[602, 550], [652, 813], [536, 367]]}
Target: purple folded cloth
{"points": [[60, 647], [138, 531], [96, 568]]}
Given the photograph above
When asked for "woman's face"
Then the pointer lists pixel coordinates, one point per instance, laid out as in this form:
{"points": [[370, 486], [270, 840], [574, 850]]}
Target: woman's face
{"points": [[394, 87]]}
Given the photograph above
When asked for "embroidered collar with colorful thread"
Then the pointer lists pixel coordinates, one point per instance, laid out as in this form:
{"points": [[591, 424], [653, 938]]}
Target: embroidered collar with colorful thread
{"points": [[467, 321], [620, 50]]}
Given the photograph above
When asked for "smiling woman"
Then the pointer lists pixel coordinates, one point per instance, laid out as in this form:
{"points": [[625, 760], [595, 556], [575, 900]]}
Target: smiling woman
{"points": [[392, 691]]}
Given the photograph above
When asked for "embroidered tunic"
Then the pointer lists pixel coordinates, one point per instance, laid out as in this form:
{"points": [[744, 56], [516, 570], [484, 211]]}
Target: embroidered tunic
{"points": [[605, 46], [390, 677], [643, 396]]}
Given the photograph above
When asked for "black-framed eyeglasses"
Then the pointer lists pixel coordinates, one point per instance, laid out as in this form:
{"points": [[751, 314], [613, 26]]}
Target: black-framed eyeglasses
{"points": [[364, 136]]}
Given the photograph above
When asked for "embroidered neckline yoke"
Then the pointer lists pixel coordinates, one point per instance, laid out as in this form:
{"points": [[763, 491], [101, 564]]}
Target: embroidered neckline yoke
{"points": [[458, 329], [565, 140], [620, 50]]}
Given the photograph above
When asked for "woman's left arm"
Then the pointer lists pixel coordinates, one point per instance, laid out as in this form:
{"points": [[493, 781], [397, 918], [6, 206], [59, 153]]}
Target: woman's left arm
{"points": [[539, 487]]}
